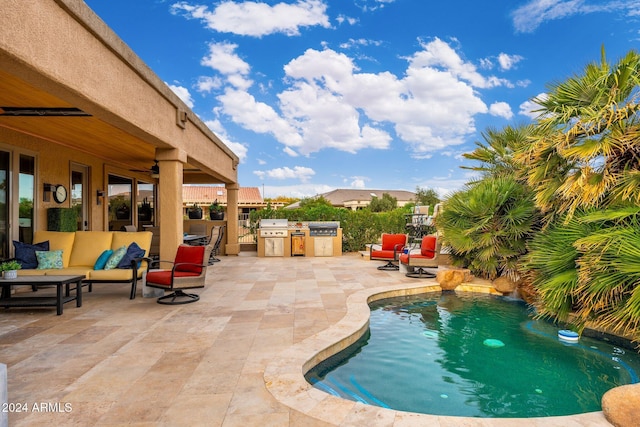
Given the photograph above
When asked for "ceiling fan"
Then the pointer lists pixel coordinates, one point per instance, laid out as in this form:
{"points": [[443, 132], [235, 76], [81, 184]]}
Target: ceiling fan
{"points": [[154, 170]]}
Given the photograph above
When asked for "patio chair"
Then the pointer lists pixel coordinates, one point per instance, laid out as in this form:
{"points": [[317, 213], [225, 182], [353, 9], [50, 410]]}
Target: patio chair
{"points": [[215, 239], [188, 272], [427, 257], [388, 250]]}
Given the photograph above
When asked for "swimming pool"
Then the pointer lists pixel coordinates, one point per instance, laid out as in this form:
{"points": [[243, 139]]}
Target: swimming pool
{"points": [[430, 354]]}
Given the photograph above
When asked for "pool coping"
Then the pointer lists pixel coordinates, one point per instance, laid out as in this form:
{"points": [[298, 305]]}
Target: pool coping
{"points": [[284, 376]]}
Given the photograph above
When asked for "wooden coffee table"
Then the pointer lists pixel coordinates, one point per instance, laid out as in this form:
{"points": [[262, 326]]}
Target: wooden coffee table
{"points": [[46, 301]]}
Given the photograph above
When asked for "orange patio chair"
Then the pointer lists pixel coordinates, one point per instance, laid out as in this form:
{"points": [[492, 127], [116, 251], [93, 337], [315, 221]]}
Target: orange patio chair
{"points": [[427, 257], [389, 249]]}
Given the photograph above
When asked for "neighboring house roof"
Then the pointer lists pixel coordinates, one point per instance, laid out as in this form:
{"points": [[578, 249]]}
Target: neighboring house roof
{"points": [[207, 194], [349, 197]]}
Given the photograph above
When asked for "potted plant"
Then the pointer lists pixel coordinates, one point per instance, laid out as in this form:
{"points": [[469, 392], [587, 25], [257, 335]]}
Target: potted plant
{"points": [[216, 211], [145, 212], [195, 212], [10, 269]]}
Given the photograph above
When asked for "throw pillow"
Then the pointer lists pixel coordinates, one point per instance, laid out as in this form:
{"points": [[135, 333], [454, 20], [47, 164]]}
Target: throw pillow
{"points": [[133, 251], [25, 253], [102, 260], [49, 259], [115, 258]]}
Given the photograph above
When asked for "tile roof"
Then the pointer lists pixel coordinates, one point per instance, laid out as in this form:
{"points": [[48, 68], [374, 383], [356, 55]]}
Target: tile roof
{"points": [[206, 194]]}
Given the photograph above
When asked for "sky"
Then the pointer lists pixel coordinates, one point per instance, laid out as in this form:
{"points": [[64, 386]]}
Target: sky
{"points": [[316, 95]]}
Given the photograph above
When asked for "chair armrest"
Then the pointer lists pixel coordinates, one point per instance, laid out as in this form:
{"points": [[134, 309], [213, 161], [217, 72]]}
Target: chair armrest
{"points": [[193, 264]]}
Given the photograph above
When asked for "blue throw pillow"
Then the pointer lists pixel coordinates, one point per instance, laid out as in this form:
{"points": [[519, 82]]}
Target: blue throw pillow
{"points": [[102, 260], [133, 251], [25, 253]]}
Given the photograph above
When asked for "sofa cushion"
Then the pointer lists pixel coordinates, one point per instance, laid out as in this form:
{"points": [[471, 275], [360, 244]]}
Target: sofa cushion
{"points": [[82, 270], [116, 274], [192, 255], [133, 251], [102, 260], [25, 253], [49, 259], [58, 240], [115, 258], [88, 246]]}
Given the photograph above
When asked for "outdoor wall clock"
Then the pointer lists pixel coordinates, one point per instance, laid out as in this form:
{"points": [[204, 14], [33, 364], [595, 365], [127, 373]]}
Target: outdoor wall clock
{"points": [[60, 194]]}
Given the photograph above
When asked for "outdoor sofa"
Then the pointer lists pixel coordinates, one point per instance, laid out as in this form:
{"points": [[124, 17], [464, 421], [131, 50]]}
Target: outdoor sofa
{"points": [[87, 253]]}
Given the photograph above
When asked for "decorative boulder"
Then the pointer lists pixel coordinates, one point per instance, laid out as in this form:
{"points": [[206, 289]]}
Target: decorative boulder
{"points": [[620, 405], [450, 279], [504, 284]]}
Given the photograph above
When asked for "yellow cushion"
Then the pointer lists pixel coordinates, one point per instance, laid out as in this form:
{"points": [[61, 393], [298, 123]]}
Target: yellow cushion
{"points": [[88, 245], [124, 238], [70, 271], [115, 274], [58, 240]]}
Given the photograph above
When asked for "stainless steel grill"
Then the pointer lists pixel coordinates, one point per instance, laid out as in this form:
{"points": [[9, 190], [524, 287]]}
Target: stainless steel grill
{"points": [[273, 228], [324, 228]]}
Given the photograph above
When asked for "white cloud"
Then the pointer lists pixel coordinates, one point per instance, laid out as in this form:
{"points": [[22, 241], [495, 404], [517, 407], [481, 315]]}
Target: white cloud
{"points": [[530, 16], [507, 61], [238, 148], [299, 191], [528, 108], [258, 19], [208, 84], [501, 109], [298, 172], [183, 94], [358, 182]]}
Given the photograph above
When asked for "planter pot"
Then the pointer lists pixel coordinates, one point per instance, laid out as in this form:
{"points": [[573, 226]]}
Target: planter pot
{"points": [[123, 212], [10, 274], [195, 213], [218, 216]]}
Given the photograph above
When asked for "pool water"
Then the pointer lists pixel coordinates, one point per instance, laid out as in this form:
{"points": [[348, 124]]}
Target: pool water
{"points": [[472, 355]]}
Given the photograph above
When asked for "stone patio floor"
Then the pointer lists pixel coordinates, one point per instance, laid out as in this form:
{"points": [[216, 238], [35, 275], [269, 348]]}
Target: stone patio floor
{"points": [[235, 358]]}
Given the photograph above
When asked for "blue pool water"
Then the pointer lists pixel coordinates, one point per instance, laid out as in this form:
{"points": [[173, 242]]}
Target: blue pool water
{"points": [[473, 355]]}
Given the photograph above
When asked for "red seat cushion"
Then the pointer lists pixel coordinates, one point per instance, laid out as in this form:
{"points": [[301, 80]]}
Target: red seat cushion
{"points": [[164, 277], [191, 254], [389, 241], [428, 247], [382, 254]]}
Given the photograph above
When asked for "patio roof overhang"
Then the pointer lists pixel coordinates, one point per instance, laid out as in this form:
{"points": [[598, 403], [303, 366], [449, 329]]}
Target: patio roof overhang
{"points": [[130, 112]]}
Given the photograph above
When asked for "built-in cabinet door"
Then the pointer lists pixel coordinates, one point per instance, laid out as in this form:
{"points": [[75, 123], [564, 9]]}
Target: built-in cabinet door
{"points": [[323, 246]]}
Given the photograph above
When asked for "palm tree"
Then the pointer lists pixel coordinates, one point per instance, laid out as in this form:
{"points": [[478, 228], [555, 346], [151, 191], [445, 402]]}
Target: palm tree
{"points": [[487, 224], [587, 151]]}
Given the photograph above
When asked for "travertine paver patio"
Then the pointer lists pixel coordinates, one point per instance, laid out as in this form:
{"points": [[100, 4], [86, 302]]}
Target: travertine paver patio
{"points": [[232, 359]]}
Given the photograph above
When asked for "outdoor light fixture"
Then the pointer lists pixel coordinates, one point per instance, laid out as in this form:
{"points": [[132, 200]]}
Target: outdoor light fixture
{"points": [[155, 170], [99, 197], [46, 191]]}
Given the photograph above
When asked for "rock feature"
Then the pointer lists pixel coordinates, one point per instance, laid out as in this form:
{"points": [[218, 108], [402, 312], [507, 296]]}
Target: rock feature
{"points": [[504, 284], [620, 405], [450, 279]]}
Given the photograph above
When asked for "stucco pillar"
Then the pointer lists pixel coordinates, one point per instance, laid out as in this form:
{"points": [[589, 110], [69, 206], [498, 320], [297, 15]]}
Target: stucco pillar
{"points": [[232, 247], [170, 163]]}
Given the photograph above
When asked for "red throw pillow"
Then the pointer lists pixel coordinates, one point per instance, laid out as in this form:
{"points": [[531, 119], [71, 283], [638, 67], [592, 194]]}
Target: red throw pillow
{"points": [[389, 241], [191, 254], [428, 246]]}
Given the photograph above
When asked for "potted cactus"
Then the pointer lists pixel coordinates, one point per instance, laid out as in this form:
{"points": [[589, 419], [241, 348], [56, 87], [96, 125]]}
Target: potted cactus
{"points": [[195, 212]]}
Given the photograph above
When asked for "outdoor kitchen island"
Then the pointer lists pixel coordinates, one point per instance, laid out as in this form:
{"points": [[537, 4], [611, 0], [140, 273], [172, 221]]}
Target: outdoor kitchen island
{"points": [[282, 238]]}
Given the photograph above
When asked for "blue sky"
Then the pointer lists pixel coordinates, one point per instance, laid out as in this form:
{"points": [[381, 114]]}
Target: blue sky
{"points": [[315, 95]]}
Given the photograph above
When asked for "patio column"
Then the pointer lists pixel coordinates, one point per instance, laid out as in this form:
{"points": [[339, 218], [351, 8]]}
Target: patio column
{"points": [[232, 247], [170, 200]]}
